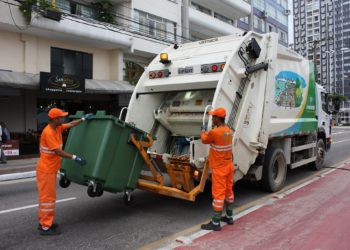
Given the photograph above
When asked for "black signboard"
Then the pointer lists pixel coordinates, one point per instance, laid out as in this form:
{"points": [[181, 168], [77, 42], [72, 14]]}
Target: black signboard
{"points": [[60, 83]]}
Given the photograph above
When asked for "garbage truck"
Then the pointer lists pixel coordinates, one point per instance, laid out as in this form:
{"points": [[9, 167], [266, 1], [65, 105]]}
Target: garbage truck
{"points": [[279, 115]]}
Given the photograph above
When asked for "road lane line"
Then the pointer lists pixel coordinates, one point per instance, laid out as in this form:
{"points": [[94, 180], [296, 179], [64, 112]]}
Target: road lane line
{"points": [[340, 141], [32, 206]]}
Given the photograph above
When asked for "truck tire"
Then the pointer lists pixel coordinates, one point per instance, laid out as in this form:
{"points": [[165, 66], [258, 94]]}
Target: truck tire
{"points": [[274, 170], [321, 149]]}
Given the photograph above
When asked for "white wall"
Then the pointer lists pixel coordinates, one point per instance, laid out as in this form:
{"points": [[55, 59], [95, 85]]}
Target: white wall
{"points": [[32, 54]]}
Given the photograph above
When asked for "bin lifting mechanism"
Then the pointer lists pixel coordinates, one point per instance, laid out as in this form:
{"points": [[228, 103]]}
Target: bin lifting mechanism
{"points": [[179, 171]]}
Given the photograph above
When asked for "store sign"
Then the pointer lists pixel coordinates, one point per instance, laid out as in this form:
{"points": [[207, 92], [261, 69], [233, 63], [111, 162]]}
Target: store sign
{"points": [[11, 148], [60, 84]]}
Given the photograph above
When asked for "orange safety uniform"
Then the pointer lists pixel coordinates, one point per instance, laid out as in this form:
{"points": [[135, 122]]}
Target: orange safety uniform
{"points": [[221, 163], [47, 168]]}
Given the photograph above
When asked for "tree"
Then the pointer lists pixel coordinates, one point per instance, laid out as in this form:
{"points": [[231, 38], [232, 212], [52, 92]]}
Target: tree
{"points": [[337, 99]]}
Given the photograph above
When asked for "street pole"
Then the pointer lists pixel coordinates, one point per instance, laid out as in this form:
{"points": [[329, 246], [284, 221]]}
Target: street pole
{"points": [[329, 53], [342, 63], [315, 44], [342, 71]]}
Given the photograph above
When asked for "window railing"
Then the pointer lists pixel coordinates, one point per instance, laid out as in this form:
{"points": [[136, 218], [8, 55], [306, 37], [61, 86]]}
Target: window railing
{"points": [[154, 29]]}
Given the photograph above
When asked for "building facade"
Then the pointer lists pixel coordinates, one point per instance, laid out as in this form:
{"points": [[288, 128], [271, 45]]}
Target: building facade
{"points": [[321, 33], [87, 55], [269, 16]]}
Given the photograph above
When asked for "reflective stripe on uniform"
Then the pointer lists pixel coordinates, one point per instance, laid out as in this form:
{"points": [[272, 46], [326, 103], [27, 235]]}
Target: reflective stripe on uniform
{"points": [[47, 204], [46, 150], [217, 206], [47, 209], [218, 201], [221, 148]]}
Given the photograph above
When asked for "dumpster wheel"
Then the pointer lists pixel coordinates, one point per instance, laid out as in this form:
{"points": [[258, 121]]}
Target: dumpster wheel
{"points": [[94, 189], [64, 182], [128, 197]]}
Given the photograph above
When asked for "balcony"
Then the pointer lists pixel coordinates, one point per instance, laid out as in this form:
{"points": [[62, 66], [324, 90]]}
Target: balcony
{"points": [[81, 25], [203, 24], [229, 8]]}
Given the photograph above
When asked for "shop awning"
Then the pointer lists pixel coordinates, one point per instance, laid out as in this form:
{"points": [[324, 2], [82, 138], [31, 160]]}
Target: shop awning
{"points": [[19, 80], [31, 81], [110, 87]]}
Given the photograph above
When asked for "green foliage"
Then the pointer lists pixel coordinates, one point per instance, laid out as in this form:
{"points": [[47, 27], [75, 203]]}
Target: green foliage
{"points": [[103, 11], [133, 72], [337, 99], [27, 6]]}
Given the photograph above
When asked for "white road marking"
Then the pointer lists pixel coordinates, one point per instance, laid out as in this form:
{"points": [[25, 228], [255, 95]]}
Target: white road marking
{"points": [[32, 206], [340, 141]]}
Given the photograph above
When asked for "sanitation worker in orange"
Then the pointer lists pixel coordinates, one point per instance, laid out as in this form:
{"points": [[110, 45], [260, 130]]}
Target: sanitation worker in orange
{"points": [[220, 139], [48, 165]]}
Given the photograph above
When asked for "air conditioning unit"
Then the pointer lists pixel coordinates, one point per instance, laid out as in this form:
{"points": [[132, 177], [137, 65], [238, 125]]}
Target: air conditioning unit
{"points": [[287, 12], [264, 14]]}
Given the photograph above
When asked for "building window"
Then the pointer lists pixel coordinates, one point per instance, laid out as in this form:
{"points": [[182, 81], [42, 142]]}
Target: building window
{"points": [[271, 28], [223, 18], [244, 19], [71, 7], [71, 62], [259, 24], [155, 26], [282, 36], [201, 8]]}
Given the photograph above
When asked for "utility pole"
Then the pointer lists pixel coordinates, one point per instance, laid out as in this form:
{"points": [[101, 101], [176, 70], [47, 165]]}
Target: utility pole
{"points": [[314, 50]]}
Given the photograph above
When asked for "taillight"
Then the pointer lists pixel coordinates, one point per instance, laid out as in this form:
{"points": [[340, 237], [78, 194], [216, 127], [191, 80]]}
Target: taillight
{"points": [[212, 68], [152, 74], [159, 74]]}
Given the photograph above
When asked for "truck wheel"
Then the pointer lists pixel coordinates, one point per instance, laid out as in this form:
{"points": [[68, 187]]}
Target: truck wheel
{"points": [[274, 170], [64, 182], [321, 150]]}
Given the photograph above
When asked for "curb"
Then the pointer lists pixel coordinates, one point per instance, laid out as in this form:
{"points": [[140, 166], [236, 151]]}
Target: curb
{"points": [[15, 176]]}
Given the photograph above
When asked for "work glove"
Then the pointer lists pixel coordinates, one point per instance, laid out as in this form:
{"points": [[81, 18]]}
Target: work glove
{"points": [[88, 117], [204, 127], [79, 160]]}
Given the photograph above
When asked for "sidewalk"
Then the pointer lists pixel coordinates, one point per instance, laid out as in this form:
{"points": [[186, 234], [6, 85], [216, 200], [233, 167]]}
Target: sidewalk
{"points": [[17, 169], [316, 216]]}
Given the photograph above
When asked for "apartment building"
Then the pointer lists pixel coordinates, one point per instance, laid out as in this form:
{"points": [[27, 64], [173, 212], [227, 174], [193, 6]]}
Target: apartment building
{"points": [[87, 55], [322, 32]]}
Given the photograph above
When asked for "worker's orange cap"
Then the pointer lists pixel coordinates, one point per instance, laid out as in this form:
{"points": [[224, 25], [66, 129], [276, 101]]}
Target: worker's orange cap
{"points": [[220, 112], [55, 112]]}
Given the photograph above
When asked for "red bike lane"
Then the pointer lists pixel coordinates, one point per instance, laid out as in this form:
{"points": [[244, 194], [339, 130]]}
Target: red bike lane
{"points": [[316, 216]]}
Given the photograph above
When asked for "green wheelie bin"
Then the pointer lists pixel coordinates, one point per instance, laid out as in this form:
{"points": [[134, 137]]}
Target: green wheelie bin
{"points": [[113, 163]]}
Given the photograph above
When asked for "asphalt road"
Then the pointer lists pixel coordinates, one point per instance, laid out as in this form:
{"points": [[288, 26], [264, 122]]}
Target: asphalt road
{"points": [[106, 223]]}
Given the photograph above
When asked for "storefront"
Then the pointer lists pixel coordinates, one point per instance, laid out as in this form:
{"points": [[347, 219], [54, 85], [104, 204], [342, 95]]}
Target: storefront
{"points": [[24, 103]]}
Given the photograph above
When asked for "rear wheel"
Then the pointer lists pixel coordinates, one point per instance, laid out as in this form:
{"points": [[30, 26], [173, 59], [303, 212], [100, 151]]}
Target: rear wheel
{"points": [[320, 155], [274, 170]]}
